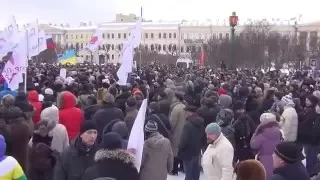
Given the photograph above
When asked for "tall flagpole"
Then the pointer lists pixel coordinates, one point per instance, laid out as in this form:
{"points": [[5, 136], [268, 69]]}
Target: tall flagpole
{"points": [[141, 38]]}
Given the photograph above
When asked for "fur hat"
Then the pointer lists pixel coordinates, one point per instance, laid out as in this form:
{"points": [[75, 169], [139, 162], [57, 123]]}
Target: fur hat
{"points": [[313, 99], [44, 126], [250, 170]]}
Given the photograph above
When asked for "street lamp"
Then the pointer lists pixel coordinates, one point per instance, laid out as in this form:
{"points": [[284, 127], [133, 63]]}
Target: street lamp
{"points": [[233, 21]]}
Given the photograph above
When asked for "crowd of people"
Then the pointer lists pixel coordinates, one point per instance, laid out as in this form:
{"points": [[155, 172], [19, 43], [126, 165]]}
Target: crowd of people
{"points": [[243, 125]]}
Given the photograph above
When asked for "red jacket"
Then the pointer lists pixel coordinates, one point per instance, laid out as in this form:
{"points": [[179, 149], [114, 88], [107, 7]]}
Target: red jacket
{"points": [[33, 98], [70, 116]]}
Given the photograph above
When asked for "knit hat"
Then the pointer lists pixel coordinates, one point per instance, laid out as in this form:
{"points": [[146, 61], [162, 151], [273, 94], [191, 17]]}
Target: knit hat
{"points": [[289, 152], [287, 99], [313, 99], [48, 91], [225, 101], [111, 141], [108, 98], [213, 128], [250, 170], [87, 125], [267, 117], [151, 127]]}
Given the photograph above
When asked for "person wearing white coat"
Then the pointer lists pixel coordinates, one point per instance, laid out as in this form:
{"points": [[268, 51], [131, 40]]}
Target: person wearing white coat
{"points": [[218, 158], [289, 121]]}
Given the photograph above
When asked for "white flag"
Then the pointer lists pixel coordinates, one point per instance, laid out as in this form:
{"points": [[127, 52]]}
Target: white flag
{"points": [[32, 38], [136, 138], [42, 41], [4, 48], [126, 67], [135, 35], [11, 31], [16, 65], [95, 41]]}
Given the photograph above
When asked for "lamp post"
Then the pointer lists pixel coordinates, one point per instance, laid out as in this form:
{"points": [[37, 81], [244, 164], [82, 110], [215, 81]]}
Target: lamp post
{"points": [[233, 21]]}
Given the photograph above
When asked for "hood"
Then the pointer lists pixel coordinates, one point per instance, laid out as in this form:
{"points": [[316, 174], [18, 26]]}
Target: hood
{"points": [[121, 128], [196, 120], [33, 96], [155, 141], [51, 114], [270, 130], [225, 101], [2, 147], [117, 154], [66, 100]]}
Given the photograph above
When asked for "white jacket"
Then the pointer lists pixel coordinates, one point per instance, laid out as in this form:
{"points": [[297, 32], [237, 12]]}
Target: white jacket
{"points": [[289, 124], [217, 160]]}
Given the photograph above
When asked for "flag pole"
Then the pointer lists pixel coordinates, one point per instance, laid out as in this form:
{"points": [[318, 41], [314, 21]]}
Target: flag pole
{"points": [[141, 38], [25, 75]]}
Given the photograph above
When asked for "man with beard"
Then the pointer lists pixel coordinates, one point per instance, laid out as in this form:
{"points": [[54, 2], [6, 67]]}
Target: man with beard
{"points": [[217, 159]]}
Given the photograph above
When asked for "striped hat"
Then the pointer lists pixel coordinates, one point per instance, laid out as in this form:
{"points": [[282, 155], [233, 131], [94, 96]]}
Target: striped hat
{"points": [[151, 127]]}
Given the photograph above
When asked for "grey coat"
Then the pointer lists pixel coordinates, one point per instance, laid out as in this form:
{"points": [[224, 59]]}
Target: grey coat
{"points": [[157, 158], [177, 120]]}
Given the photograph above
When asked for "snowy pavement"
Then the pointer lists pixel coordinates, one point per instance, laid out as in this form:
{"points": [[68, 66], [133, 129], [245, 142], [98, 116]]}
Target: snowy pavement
{"points": [[181, 177]]}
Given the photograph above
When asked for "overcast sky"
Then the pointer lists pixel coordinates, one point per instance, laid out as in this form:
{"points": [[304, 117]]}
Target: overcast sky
{"points": [[74, 11]]}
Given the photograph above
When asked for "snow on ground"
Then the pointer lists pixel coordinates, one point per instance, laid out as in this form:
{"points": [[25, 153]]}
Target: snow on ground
{"points": [[181, 177]]}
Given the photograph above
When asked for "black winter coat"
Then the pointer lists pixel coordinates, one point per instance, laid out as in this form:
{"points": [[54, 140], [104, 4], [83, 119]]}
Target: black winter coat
{"points": [[117, 164], [74, 161], [192, 138], [309, 127], [104, 116], [295, 171], [208, 114]]}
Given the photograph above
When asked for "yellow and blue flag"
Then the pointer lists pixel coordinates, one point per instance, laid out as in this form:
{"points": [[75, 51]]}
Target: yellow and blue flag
{"points": [[69, 57]]}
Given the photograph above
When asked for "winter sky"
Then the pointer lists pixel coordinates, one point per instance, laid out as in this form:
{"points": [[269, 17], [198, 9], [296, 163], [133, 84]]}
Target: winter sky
{"points": [[74, 11]]}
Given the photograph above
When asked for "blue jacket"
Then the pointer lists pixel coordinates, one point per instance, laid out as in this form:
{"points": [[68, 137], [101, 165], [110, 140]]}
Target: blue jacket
{"points": [[7, 91]]}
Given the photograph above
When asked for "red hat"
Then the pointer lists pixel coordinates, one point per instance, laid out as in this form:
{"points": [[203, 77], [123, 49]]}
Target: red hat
{"points": [[222, 91]]}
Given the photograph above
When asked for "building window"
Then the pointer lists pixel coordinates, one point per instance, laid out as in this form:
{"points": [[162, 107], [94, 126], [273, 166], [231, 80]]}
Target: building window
{"points": [[170, 35], [125, 36], [112, 56], [108, 36], [146, 35], [103, 35], [182, 49], [151, 35], [71, 36], [81, 45], [76, 36], [220, 36], [112, 36], [174, 35], [164, 35], [146, 47], [81, 36], [152, 47], [66, 36], [119, 36], [159, 47], [164, 47], [159, 35], [112, 46]]}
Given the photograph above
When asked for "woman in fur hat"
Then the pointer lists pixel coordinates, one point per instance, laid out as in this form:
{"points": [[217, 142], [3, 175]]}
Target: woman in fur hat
{"points": [[250, 170], [265, 139]]}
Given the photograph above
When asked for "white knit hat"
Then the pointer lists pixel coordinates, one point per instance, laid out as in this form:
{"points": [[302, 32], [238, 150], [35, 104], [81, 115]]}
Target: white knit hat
{"points": [[267, 117]]}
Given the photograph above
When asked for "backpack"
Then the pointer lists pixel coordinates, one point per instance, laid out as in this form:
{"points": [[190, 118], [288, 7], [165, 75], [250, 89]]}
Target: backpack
{"points": [[229, 133]]}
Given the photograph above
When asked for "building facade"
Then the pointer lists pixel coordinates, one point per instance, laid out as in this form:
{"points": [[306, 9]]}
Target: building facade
{"points": [[163, 37]]}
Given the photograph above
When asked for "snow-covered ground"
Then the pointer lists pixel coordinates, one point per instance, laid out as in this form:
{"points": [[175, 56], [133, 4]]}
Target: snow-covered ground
{"points": [[181, 177]]}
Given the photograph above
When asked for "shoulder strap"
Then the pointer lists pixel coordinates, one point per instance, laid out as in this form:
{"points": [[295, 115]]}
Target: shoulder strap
{"points": [[161, 122]]}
